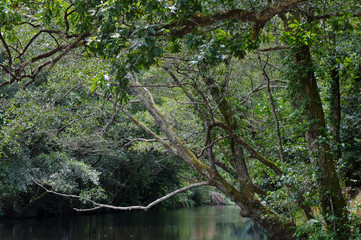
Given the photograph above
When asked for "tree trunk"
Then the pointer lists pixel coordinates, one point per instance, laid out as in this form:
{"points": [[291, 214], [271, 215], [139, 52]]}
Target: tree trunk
{"points": [[332, 201], [278, 228]]}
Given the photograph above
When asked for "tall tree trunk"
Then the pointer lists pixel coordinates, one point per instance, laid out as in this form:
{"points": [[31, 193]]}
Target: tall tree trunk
{"points": [[332, 201]]}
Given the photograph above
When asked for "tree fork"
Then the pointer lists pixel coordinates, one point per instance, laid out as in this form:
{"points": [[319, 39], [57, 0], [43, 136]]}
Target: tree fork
{"points": [[250, 207]]}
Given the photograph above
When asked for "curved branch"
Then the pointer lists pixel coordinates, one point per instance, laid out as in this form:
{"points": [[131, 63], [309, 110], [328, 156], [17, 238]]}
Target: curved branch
{"points": [[145, 208], [64, 49], [190, 97], [66, 14], [198, 20], [212, 143], [10, 61]]}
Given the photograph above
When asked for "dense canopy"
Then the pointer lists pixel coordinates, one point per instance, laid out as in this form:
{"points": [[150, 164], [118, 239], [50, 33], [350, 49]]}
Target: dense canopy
{"points": [[121, 102]]}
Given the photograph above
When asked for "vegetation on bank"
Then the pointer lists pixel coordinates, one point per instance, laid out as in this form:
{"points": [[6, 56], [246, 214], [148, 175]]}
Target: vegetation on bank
{"points": [[122, 102]]}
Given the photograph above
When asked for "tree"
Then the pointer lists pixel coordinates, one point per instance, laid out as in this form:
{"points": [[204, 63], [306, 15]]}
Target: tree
{"points": [[59, 134], [135, 35]]}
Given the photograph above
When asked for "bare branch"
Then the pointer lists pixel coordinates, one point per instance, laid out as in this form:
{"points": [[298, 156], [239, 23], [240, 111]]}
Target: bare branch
{"points": [[272, 65], [145, 208], [145, 128], [44, 55], [224, 167], [49, 31], [6, 69], [65, 50], [273, 109], [252, 92], [205, 100], [115, 111], [29, 43], [257, 189], [7, 82]]}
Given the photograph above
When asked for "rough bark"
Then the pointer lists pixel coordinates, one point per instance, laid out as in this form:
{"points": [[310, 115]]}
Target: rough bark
{"points": [[182, 27], [332, 201]]}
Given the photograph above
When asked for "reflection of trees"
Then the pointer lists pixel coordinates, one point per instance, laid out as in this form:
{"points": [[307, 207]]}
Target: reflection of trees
{"points": [[47, 228], [240, 230], [205, 223]]}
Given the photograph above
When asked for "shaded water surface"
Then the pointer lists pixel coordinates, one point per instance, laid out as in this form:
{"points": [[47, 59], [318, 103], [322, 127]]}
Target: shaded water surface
{"points": [[201, 223]]}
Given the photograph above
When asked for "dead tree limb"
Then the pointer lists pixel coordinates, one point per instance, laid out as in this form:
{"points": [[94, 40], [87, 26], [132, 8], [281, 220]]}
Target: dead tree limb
{"points": [[100, 205]]}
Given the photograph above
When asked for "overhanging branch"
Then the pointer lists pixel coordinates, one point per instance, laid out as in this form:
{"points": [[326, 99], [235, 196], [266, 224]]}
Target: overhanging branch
{"points": [[100, 205], [182, 27]]}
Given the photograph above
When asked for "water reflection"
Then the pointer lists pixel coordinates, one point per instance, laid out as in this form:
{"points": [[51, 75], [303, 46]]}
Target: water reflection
{"points": [[201, 223]]}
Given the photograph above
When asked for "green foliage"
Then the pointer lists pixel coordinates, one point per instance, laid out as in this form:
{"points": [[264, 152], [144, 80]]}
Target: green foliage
{"points": [[315, 230], [300, 34], [60, 132], [351, 140], [70, 175], [60, 135], [94, 194]]}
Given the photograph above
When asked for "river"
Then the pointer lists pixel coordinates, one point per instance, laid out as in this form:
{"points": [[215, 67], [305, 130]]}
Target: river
{"points": [[198, 223]]}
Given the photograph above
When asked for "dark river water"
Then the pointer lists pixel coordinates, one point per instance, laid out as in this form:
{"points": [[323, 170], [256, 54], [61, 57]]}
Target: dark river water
{"points": [[199, 223]]}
